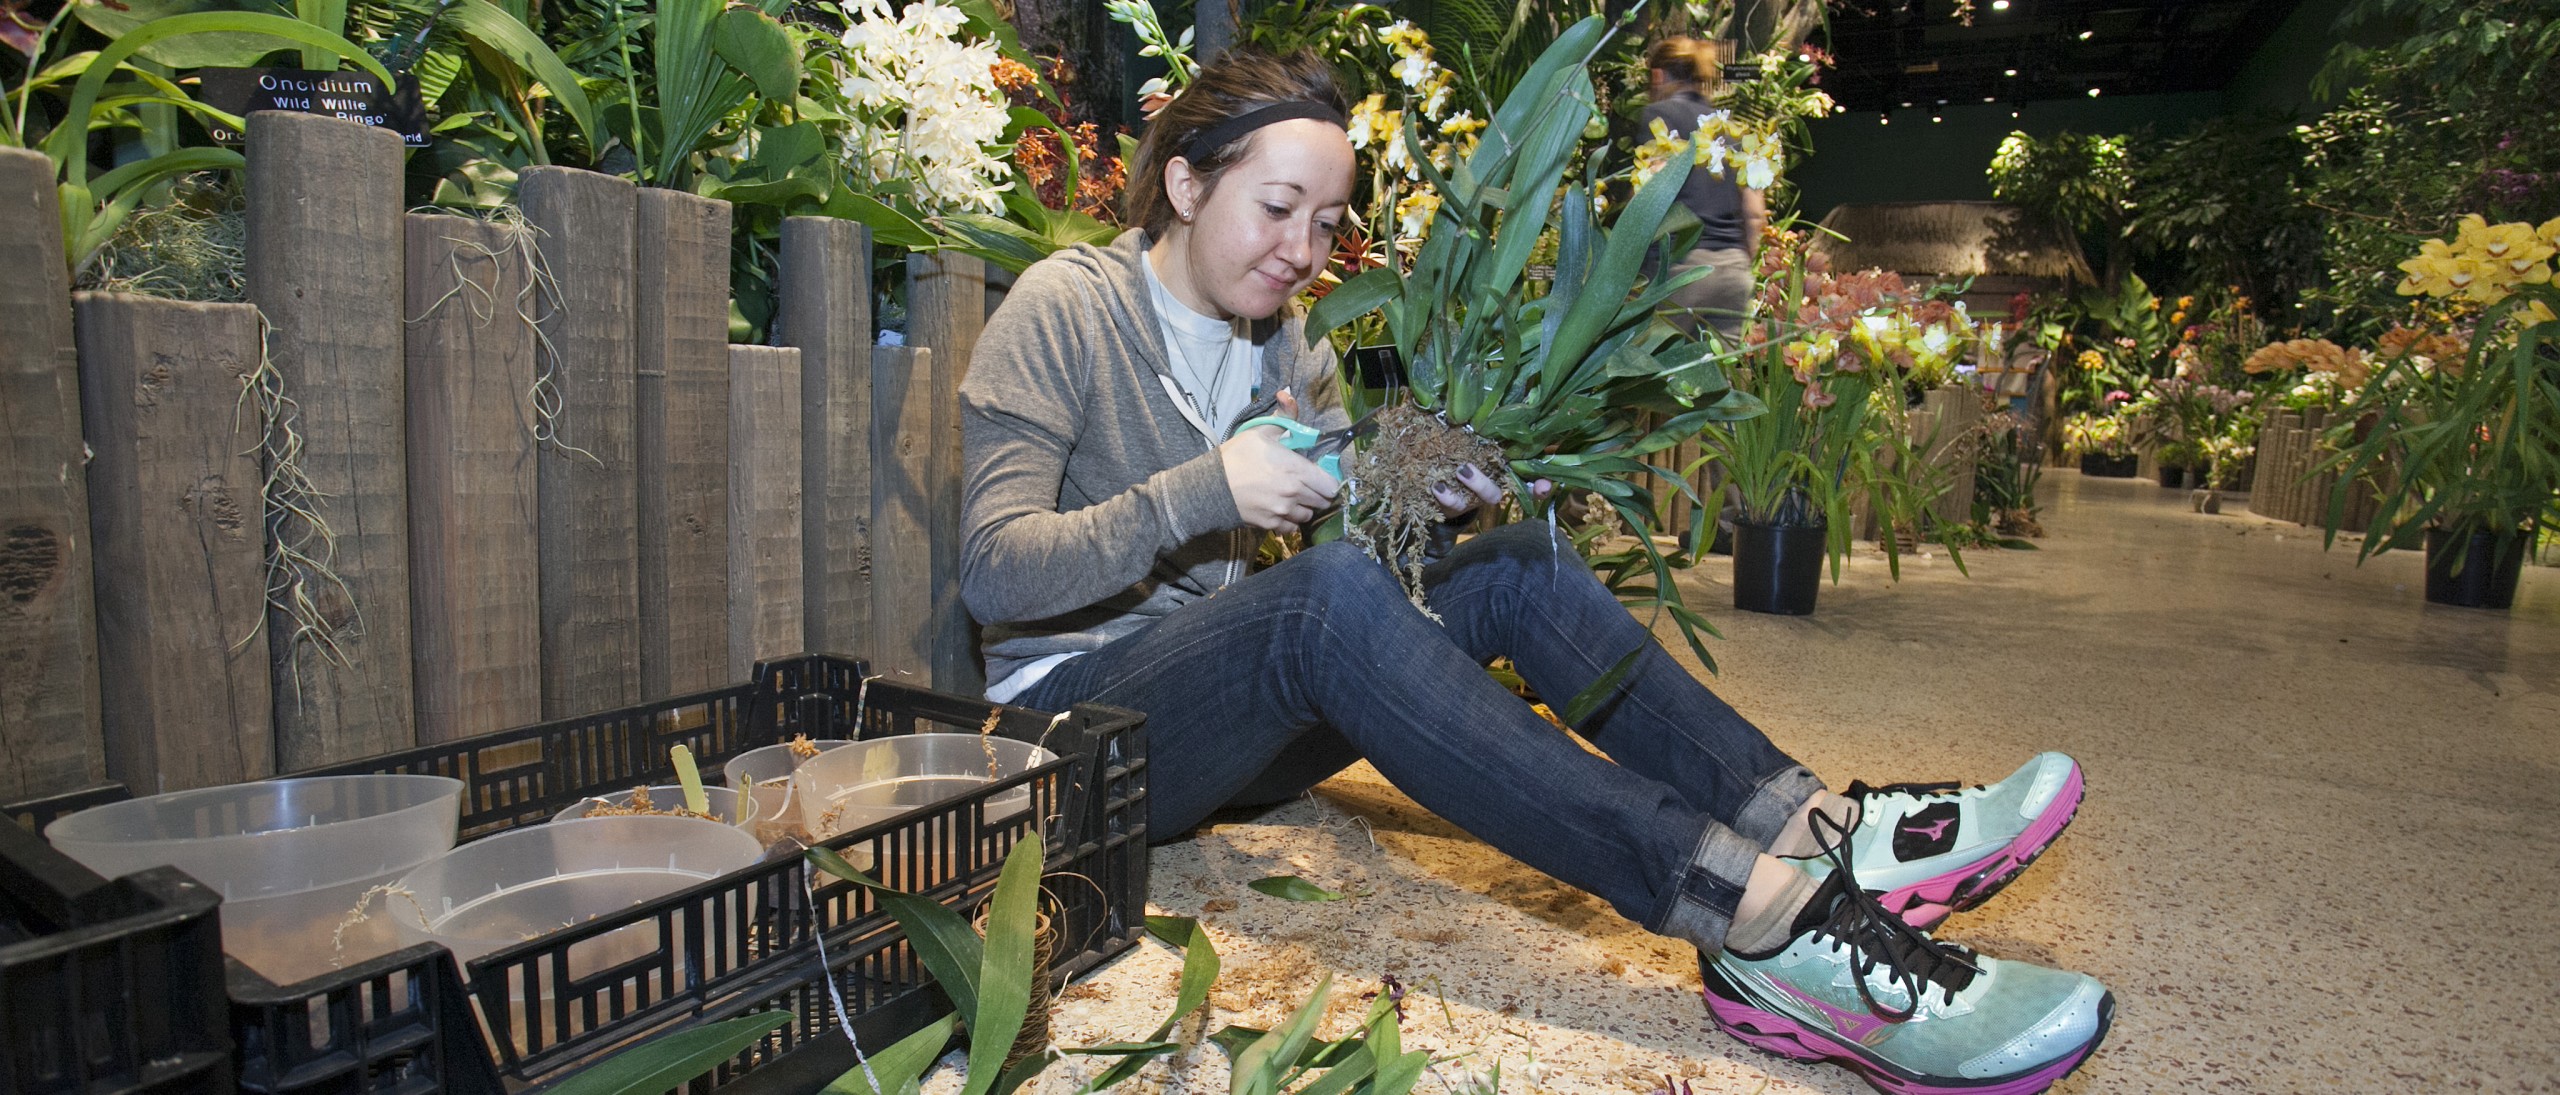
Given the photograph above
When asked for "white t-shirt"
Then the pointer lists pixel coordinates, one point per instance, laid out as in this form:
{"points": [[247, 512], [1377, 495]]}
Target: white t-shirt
{"points": [[1214, 368]]}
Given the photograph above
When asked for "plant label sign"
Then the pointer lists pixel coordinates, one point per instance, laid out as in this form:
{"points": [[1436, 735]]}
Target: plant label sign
{"points": [[353, 96]]}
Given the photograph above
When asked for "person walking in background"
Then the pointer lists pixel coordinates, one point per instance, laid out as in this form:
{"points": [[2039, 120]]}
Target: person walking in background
{"points": [[1685, 72]]}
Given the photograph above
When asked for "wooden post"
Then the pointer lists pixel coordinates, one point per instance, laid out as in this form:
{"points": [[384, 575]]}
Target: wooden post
{"points": [[946, 311], [901, 513], [325, 268], [826, 312], [764, 507], [476, 581], [590, 512], [1952, 414], [681, 244], [174, 501], [48, 636]]}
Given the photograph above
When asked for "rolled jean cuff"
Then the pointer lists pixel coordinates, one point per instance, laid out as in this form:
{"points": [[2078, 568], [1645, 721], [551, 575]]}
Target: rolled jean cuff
{"points": [[1699, 907], [1775, 804]]}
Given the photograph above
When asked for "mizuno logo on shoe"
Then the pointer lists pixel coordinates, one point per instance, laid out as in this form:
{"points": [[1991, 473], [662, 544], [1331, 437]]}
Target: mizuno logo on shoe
{"points": [[1856, 1026], [1928, 831]]}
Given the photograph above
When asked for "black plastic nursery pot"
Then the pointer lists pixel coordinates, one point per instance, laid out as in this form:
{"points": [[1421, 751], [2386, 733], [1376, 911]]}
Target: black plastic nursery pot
{"points": [[2173, 476], [2475, 568], [1777, 568], [2103, 466]]}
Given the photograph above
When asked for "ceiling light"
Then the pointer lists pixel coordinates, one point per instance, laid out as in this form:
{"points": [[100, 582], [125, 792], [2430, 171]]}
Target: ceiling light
{"points": [[1884, 119], [2008, 72], [1906, 106], [2013, 114], [2084, 35], [1990, 98], [2093, 93], [1999, 5], [1935, 118]]}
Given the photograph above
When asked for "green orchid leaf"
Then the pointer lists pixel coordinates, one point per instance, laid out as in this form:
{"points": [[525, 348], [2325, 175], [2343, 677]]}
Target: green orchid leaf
{"points": [[328, 15], [1235, 1039], [1546, 154], [949, 947], [227, 49], [1025, 1070], [997, 240], [1355, 297], [779, 194], [1289, 887], [1199, 965], [1535, 93], [1266, 1064], [1120, 1049], [1355, 1065], [781, 150], [493, 29], [889, 227], [1004, 982], [898, 1066], [671, 1060], [1621, 262], [758, 46]]}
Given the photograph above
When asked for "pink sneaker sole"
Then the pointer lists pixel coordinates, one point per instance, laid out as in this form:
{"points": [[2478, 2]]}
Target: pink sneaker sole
{"points": [[1787, 1038]]}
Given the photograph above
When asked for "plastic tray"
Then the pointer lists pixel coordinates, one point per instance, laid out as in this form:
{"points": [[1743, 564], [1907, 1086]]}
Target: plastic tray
{"points": [[741, 943], [107, 987]]}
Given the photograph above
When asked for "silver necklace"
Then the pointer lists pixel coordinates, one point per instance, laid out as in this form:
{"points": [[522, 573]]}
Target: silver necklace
{"points": [[1199, 384]]}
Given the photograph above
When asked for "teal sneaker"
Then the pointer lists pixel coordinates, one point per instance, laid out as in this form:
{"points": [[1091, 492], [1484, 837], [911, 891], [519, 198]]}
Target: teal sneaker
{"points": [[1929, 850], [1910, 1015]]}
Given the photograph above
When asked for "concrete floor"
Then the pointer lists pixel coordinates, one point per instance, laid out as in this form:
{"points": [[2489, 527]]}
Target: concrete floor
{"points": [[2317, 852]]}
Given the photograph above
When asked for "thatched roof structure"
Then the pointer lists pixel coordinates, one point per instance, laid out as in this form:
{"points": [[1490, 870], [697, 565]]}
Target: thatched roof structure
{"points": [[1991, 242]]}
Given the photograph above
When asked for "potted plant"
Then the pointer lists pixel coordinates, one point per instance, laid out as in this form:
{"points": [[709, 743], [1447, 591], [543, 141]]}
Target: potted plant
{"points": [[2098, 442], [1828, 356], [2476, 427], [1542, 379]]}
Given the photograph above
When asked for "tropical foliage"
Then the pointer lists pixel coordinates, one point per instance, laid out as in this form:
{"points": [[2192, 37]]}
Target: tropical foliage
{"points": [[2470, 415], [1556, 373]]}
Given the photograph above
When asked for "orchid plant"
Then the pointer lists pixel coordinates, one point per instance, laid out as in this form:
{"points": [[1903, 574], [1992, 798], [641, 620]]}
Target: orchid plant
{"points": [[930, 124], [2475, 433]]}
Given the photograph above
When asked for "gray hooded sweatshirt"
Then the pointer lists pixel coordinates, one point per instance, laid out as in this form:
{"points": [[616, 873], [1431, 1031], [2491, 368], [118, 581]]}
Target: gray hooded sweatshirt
{"points": [[1093, 507]]}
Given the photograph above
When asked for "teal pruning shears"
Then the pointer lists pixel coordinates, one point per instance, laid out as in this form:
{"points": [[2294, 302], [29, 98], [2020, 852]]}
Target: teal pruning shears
{"points": [[1322, 446]]}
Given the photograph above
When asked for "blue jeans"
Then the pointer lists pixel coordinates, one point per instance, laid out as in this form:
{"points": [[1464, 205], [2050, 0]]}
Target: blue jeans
{"points": [[1260, 692]]}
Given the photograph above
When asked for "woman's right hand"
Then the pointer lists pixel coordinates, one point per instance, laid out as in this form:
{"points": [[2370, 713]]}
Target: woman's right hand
{"points": [[1275, 487]]}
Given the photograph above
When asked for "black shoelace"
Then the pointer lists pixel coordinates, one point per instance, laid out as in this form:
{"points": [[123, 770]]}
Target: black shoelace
{"points": [[1876, 937]]}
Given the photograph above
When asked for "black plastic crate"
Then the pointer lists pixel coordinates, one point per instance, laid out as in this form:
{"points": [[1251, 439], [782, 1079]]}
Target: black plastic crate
{"points": [[107, 986], [742, 943]]}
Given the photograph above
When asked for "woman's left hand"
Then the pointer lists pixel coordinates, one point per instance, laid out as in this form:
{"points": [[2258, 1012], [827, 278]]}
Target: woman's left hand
{"points": [[1473, 489]]}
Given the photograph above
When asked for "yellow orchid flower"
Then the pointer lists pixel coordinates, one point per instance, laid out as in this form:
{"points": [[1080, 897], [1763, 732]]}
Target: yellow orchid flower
{"points": [[1403, 37], [2502, 243], [1413, 213]]}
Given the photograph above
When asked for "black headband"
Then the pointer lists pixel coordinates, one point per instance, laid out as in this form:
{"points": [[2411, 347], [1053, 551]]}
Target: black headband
{"points": [[1208, 141]]}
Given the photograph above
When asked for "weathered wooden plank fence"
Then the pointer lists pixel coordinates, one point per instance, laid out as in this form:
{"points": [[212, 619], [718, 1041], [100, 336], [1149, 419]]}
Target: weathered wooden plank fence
{"points": [[588, 480], [475, 582], [2284, 486], [326, 266], [48, 623], [553, 485], [174, 514]]}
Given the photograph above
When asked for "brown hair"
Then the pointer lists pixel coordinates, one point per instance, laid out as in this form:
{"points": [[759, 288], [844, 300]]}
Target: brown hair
{"points": [[1240, 80], [1688, 61]]}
